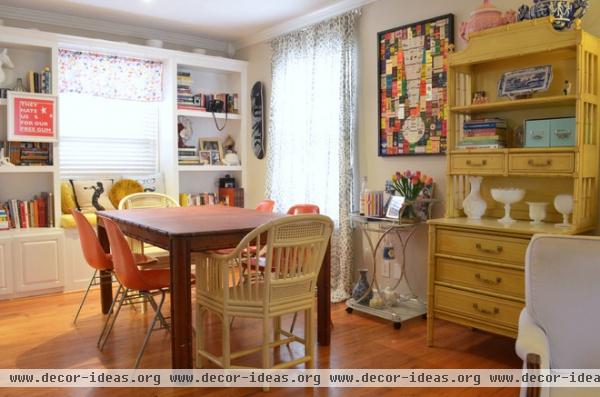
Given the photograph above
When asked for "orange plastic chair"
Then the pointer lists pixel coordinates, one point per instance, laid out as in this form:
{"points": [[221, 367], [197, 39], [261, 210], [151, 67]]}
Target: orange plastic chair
{"points": [[145, 283], [303, 209], [94, 254], [266, 206]]}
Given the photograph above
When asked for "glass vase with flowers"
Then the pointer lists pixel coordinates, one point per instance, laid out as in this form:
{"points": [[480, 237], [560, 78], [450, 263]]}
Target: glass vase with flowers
{"points": [[414, 187]]}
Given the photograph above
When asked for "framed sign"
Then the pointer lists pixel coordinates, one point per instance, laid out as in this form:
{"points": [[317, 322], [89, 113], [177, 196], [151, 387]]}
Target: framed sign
{"points": [[31, 117], [412, 77]]}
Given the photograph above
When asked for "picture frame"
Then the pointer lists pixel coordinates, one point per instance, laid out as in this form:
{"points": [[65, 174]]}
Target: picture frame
{"points": [[31, 117], [394, 205], [211, 144], [204, 156], [524, 82], [412, 76], [215, 157]]}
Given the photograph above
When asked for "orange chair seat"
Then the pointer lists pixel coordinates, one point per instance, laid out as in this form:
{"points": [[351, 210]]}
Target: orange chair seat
{"points": [[140, 259]]}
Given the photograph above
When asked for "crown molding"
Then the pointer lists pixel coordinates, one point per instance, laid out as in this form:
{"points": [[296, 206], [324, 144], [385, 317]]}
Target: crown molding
{"points": [[301, 22], [96, 25]]}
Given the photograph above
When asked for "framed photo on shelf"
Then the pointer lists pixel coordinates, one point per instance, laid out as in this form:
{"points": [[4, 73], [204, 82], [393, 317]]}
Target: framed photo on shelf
{"points": [[211, 144], [204, 156], [215, 158], [412, 78], [31, 117]]}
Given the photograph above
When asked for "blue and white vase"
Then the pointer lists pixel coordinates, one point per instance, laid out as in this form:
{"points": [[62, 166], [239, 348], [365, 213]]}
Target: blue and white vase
{"points": [[565, 12], [361, 287]]}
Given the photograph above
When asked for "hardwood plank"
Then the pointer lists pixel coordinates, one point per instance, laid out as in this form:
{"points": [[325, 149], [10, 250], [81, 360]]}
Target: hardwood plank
{"points": [[38, 333]]}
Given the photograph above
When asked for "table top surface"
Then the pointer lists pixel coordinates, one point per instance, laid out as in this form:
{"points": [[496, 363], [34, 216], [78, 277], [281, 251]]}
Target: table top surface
{"points": [[192, 221]]}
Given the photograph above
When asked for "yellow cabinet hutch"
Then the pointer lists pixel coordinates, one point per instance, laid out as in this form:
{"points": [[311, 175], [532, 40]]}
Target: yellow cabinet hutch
{"points": [[476, 268]]}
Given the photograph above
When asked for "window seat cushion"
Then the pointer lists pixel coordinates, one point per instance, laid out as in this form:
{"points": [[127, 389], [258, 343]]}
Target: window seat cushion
{"points": [[68, 222]]}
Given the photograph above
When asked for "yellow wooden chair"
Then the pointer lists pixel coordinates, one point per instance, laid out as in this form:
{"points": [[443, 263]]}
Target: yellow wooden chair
{"points": [[148, 200], [236, 284]]}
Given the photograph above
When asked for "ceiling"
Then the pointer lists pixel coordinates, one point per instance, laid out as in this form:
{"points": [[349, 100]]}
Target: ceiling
{"points": [[226, 20]]}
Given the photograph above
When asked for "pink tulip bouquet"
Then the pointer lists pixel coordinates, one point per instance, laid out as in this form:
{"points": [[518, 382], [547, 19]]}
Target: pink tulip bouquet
{"points": [[411, 185]]}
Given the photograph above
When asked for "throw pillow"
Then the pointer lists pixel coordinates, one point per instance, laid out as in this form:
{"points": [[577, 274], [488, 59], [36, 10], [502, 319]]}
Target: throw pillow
{"points": [[151, 183], [67, 197], [92, 195], [123, 188]]}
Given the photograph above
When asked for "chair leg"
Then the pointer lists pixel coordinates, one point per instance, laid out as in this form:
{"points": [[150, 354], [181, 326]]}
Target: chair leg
{"points": [[163, 322], [293, 323], [309, 338], [151, 328], [200, 342], [276, 328], [226, 342], [114, 318], [110, 313], [266, 356], [87, 290]]}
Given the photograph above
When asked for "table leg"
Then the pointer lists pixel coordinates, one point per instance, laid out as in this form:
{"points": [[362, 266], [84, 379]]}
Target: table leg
{"points": [[181, 304], [106, 292], [324, 300]]}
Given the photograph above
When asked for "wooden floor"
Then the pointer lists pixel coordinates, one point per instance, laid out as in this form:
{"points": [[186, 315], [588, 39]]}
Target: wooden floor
{"points": [[38, 333]]}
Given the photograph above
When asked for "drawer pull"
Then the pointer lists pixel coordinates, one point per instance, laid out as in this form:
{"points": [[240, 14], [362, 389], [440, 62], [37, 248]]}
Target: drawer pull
{"points": [[488, 250], [562, 134], [486, 311], [547, 163], [497, 281], [483, 163]]}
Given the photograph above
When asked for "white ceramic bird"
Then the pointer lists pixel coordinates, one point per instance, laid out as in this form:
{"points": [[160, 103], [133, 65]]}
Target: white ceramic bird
{"points": [[5, 62]]}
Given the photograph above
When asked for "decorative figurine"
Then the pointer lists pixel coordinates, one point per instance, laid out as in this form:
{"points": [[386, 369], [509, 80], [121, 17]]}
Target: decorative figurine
{"points": [[230, 157], [5, 62], [361, 287], [565, 12], [567, 87], [479, 97], [5, 161], [485, 17]]}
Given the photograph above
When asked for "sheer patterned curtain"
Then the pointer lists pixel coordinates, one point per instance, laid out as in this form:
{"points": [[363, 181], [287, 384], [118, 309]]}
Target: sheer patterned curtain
{"points": [[312, 128]]}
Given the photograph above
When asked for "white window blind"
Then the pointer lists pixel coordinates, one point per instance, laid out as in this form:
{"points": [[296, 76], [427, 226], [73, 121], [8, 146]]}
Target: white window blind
{"points": [[102, 136]]}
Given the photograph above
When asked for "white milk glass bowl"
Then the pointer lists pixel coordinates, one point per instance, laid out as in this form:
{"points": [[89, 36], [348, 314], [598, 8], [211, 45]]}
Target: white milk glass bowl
{"points": [[507, 197]]}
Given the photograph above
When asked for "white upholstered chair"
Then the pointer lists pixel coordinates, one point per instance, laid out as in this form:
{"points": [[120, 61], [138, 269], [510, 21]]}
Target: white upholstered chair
{"points": [[558, 328], [283, 281]]}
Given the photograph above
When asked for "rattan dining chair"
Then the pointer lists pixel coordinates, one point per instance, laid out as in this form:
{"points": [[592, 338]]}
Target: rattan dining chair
{"points": [[234, 285]]}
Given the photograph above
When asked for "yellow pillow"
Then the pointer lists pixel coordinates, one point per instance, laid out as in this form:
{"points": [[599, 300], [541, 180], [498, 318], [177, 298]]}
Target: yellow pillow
{"points": [[67, 197], [123, 188]]}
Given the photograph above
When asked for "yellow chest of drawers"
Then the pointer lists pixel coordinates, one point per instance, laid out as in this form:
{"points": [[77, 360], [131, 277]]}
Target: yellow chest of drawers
{"points": [[476, 273]]}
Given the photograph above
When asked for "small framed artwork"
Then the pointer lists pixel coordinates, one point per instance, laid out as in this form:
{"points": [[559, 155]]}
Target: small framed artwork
{"points": [[204, 157], [31, 117], [394, 206], [412, 76], [215, 158]]}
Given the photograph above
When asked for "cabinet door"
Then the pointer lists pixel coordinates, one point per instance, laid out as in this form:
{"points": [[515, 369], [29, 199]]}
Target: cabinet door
{"points": [[6, 274], [39, 262]]}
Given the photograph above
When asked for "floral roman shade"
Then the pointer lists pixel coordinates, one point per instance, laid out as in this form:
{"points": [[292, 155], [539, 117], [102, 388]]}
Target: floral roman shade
{"points": [[109, 76]]}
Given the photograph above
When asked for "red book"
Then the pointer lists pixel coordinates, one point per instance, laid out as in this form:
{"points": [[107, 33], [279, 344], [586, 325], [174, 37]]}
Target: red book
{"points": [[23, 214], [42, 216]]}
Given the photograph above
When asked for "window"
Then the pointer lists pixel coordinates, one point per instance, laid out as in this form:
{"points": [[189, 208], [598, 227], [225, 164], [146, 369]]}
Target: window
{"points": [[109, 114], [107, 136]]}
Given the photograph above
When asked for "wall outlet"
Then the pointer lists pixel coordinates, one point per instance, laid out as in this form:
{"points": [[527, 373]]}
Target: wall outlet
{"points": [[385, 269]]}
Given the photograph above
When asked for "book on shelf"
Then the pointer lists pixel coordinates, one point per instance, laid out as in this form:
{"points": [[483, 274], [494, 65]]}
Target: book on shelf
{"points": [[231, 196], [197, 199], [29, 153], [40, 82], [483, 134], [24, 214]]}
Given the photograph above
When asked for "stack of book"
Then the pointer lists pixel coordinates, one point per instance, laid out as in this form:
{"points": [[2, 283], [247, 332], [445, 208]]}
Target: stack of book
{"points": [[41, 82], [231, 196], [195, 199], [30, 153], [188, 156], [38, 212], [483, 134], [185, 97]]}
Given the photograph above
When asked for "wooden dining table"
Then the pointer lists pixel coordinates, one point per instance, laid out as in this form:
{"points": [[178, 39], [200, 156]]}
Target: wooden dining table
{"points": [[183, 230]]}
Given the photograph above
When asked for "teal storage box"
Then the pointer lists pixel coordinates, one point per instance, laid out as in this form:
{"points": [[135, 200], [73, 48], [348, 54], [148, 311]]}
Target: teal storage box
{"points": [[562, 132], [537, 133]]}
